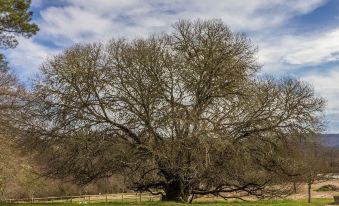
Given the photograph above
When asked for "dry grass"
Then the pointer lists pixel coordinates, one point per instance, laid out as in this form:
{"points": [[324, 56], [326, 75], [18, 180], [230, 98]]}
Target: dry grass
{"points": [[299, 199]]}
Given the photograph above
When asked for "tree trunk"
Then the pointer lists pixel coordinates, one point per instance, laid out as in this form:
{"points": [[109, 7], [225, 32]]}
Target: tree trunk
{"points": [[309, 187], [176, 191], [294, 187], [192, 198]]}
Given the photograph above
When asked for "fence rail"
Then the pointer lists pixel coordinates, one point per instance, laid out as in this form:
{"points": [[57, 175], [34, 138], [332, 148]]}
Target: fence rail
{"points": [[130, 197]]}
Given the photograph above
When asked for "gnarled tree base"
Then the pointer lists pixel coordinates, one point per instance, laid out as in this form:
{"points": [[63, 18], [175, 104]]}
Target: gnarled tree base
{"points": [[176, 191]]}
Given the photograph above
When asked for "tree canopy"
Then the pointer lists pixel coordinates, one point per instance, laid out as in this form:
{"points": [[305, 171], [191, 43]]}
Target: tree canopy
{"points": [[181, 114], [15, 21]]}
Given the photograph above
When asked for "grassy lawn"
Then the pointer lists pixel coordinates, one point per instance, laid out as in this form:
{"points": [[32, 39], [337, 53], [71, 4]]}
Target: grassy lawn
{"points": [[315, 202]]}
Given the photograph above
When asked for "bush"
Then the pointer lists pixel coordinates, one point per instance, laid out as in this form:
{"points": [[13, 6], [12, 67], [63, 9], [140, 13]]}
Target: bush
{"points": [[327, 188]]}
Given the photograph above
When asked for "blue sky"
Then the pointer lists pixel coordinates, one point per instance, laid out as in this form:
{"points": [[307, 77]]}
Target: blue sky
{"points": [[298, 38]]}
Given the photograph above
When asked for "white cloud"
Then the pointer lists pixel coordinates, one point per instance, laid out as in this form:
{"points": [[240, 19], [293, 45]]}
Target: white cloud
{"points": [[74, 24], [99, 20], [315, 50], [27, 57], [327, 86], [90, 20], [299, 50]]}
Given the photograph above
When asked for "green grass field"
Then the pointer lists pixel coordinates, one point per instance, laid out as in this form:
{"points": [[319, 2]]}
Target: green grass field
{"points": [[315, 202]]}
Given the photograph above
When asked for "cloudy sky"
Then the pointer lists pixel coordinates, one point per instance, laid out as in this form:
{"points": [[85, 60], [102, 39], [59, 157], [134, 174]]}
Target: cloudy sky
{"points": [[299, 38]]}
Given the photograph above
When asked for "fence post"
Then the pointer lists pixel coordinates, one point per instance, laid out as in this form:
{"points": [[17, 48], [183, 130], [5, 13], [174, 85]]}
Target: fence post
{"points": [[140, 196], [89, 199]]}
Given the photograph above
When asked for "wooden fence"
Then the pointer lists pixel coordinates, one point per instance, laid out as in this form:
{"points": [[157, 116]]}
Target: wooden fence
{"points": [[122, 197]]}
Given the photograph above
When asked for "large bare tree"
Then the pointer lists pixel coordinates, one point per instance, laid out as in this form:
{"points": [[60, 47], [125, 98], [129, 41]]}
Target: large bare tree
{"points": [[180, 114]]}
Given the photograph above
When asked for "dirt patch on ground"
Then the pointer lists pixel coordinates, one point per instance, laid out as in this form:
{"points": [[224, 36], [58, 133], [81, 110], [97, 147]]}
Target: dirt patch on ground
{"points": [[302, 192]]}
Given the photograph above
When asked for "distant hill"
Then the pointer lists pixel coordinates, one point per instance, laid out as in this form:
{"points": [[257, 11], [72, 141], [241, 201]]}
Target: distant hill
{"points": [[331, 140]]}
